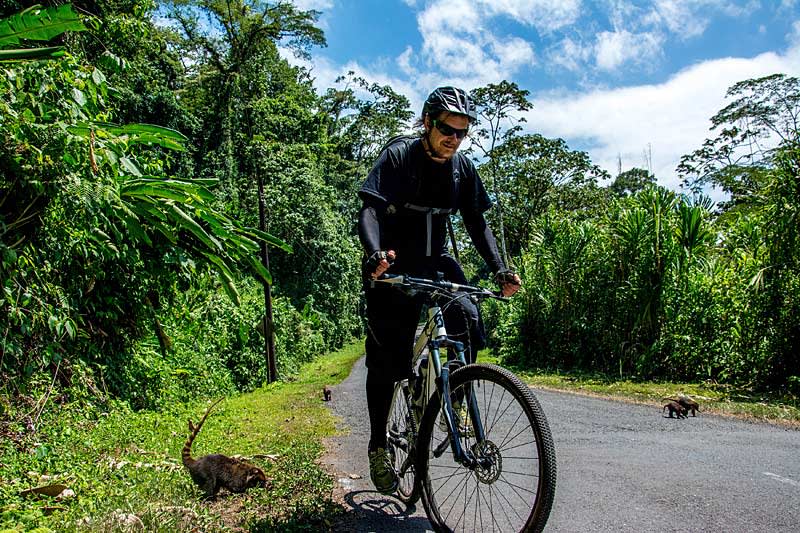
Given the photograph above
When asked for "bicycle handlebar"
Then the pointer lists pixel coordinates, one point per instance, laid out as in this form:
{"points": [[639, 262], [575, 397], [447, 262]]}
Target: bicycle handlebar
{"points": [[409, 282]]}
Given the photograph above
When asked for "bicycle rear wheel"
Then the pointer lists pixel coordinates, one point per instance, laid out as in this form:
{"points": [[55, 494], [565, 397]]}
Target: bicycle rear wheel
{"points": [[400, 438], [513, 486]]}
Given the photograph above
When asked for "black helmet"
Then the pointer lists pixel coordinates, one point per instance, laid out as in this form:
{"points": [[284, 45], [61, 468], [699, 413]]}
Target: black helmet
{"points": [[450, 99]]}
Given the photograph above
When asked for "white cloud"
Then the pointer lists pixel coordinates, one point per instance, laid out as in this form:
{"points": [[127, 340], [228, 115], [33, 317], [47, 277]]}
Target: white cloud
{"points": [[618, 47], [404, 61], [545, 15], [671, 118], [317, 5], [690, 18], [456, 43], [570, 54], [794, 37]]}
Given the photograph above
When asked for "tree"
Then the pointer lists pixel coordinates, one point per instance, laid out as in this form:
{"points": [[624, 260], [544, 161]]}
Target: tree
{"points": [[363, 116], [226, 42], [533, 173], [499, 108], [632, 181], [763, 117], [83, 201]]}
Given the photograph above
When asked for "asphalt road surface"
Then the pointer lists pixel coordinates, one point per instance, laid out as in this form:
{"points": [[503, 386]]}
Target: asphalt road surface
{"points": [[621, 467]]}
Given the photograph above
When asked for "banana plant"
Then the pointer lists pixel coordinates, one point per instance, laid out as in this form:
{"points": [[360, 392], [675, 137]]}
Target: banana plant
{"points": [[178, 209], [37, 24], [140, 203]]}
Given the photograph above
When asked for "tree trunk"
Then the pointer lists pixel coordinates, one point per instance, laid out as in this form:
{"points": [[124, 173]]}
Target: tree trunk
{"points": [[269, 330]]}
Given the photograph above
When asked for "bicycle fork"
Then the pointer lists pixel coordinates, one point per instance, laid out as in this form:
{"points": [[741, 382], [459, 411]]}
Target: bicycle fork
{"points": [[460, 454]]}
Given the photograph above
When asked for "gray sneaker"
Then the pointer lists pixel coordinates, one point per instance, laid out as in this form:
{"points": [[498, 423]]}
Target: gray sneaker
{"points": [[382, 472]]}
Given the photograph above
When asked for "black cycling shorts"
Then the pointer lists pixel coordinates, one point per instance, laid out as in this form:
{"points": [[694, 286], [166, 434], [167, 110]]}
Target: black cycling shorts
{"points": [[393, 317]]}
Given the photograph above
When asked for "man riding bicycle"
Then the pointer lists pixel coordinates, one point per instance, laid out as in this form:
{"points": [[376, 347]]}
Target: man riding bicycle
{"points": [[413, 187]]}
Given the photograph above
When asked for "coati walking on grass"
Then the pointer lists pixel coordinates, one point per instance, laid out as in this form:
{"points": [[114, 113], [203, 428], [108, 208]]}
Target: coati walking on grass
{"points": [[214, 472]]}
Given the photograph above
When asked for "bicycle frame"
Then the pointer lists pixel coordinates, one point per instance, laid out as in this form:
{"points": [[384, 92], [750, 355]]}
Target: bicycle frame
{"points": [[434, 338], [514, 449]]}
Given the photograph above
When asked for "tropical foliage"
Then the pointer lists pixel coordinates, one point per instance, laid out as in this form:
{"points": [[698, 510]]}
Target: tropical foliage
{"points": [[145, 165], [663, 285]]}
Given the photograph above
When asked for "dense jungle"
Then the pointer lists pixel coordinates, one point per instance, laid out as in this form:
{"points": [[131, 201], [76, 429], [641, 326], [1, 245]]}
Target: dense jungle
{"points": [[163, 165]]}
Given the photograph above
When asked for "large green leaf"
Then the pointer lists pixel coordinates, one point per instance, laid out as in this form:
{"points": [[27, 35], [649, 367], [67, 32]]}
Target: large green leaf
{"points": [[177, 190], [39, 24], [149, 189], [245, 243], [270, 239], [133, 133], [32, 53], [259, 268], [190, 187], [226, 276], [150, 211], [196, 229]]}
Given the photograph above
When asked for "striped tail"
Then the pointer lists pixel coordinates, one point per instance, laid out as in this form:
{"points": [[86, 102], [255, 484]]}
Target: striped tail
{"points": [[186, 453]]}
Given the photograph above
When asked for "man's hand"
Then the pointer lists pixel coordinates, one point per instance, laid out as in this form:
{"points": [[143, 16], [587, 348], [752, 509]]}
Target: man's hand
{"points": [[379, 262], [509, 282]]}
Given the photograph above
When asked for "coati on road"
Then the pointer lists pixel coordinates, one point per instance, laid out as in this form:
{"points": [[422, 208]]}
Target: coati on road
{"points": [[214, 472], [674, 407], [686, 402]]}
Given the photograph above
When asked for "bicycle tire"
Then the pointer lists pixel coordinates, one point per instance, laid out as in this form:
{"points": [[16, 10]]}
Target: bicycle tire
{"points": [[516, 492], [401, 438]]}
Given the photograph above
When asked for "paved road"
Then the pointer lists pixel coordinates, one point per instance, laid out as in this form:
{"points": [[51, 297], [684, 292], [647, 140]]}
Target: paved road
{"points": [[622, 467]]}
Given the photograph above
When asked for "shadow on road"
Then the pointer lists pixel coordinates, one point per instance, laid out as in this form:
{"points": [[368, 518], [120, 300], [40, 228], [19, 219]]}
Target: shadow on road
{"points": [[371, 511]]}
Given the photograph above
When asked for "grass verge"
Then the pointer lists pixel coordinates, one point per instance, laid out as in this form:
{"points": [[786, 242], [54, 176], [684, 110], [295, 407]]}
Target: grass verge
{"points": [[123, 471], [713, 398]]}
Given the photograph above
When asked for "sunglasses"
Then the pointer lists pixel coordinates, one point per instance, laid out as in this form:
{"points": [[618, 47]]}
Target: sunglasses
{"points": [[448, 130]]}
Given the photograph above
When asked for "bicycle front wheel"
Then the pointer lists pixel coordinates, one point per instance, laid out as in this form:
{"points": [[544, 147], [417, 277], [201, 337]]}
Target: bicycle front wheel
{"points": [[401, 437], [510, 484]]}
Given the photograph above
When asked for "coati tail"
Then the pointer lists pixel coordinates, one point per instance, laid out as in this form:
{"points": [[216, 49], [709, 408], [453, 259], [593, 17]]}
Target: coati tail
{"points": [[186, 453]]}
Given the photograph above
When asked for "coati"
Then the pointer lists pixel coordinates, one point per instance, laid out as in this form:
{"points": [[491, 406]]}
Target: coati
{"points": [[686, 402], [214, 472], [674, 407], [326, 394]]}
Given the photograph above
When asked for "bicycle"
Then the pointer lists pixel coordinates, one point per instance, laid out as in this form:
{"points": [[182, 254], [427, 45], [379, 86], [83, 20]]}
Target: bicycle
{"points": [[470, 439]]}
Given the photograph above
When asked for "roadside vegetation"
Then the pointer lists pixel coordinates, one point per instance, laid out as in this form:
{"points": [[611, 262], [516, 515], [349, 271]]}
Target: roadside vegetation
{"points": [[122, 469], [714, 398], [162, 165]]}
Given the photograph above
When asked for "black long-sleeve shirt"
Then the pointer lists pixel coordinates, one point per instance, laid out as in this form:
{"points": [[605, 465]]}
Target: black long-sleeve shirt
{"points": [[407, 198]]}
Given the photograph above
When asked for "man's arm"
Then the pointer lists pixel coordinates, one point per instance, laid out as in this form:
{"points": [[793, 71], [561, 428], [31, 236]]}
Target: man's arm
{"points": [[484, 241], [369, 229], [369, 233]]}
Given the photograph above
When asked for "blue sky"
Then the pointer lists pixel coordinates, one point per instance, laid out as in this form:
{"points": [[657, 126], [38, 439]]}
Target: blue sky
{"points": [[630, 80]]}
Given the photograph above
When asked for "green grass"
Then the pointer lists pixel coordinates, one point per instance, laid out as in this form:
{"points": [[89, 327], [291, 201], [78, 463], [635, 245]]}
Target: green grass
{"points": [[713, 398], [120, 463]]}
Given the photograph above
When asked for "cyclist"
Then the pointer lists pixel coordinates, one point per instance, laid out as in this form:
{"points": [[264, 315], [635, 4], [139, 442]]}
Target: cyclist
{"points": [[414, 185]]}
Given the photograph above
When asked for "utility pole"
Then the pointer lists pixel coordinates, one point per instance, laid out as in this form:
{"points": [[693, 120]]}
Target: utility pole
{"points": [[269, 329]]}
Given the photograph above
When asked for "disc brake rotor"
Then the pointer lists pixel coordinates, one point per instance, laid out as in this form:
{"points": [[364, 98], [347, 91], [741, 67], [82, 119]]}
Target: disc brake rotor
{"points": [[490, 462]]}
